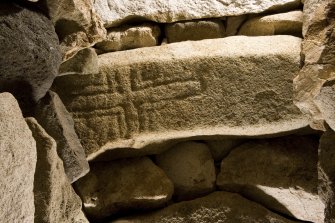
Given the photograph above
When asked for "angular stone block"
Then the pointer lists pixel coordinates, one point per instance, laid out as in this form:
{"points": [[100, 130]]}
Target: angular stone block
{"points": [[55, 199], [58, 123], [231, 86], [318, 50], [114, 12], [216, 207], [280, 174], [122, 185], [17, 163]]}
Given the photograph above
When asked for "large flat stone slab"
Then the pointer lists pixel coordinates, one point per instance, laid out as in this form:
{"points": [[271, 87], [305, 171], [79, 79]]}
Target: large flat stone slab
{"points": [[114, 12], [233, 86], [17, 163]]}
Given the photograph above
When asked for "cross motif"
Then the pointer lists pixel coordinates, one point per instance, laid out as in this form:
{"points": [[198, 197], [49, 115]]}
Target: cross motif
{"points": [[132, 98]]}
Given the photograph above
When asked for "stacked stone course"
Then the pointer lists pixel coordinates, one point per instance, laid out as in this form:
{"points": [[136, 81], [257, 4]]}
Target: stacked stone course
{"points": [[167, 111]]}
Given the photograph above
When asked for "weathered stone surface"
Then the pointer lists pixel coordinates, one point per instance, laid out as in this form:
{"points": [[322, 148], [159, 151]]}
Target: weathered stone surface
{"points": [[233, 24], [131, 184], [307, 86], [279, 173], [130, 37], [17, 163], [57, 121], [30, 57], [194, 30], [55, 199], [326, 103], [115, 12], [216, 207], [77, 24], [230, 86], [326, 173], [289, 23], [84, 62], [221, 148], [318, 31], [190, 167], [318, 52]]}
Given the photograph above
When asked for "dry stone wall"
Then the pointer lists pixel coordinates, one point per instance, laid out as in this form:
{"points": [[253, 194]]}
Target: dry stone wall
{"points": [[167, 111]]}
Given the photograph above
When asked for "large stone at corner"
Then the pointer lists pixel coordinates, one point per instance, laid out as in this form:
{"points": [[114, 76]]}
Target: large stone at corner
{"points": [[17, 163], [190, 167], [115, 12], [58, 123], [216, 207], [55, 199], [30, 57], [318, 49], [279, 173], [231, 86], [123, 185]]}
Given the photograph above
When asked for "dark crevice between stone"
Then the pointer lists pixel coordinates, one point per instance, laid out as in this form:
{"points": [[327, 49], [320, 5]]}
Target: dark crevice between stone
{"points": [[22, 91], [32, 6]]}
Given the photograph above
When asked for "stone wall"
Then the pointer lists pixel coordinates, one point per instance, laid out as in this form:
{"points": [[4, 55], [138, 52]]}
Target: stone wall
{"points": [[167, 111]]}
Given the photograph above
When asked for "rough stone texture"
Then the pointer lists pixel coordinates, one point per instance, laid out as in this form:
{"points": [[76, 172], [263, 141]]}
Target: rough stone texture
{"points": [[194, 30], [233, 24], [326, 170], [230, 86], [17, 163], [30, 57], [279, 173], [318, 52], [131, 184], [326, 103], [115, 12], [289, 23], [216, 207], [84, 62], [55, 199], [130, 37], [76, 23], [221, 148], [53, 116], [190, 167]]}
